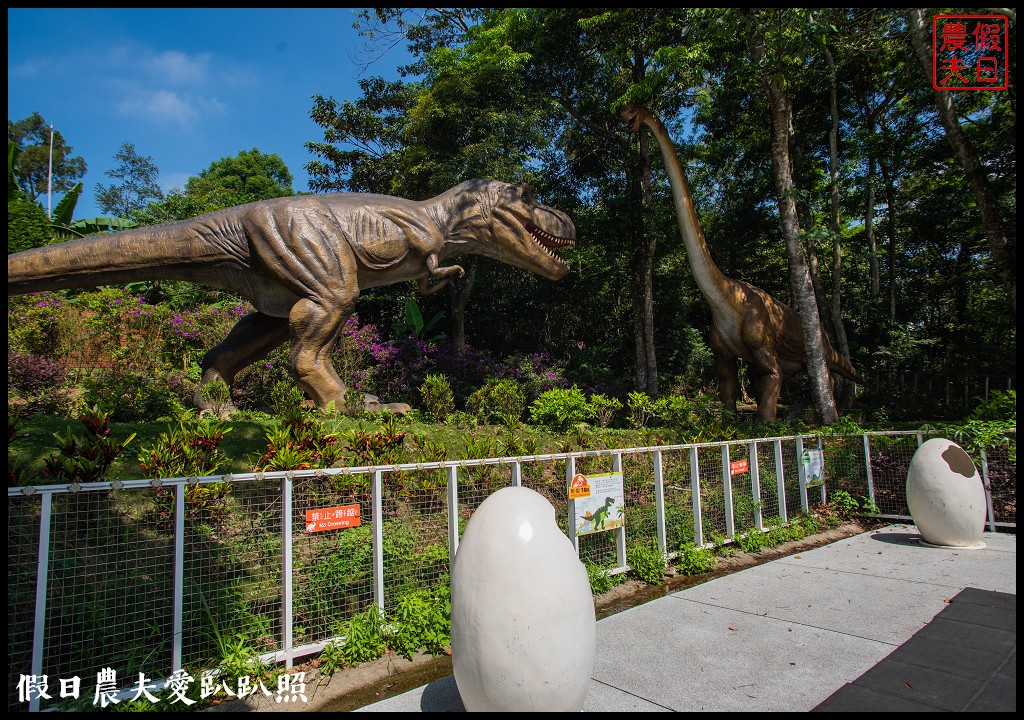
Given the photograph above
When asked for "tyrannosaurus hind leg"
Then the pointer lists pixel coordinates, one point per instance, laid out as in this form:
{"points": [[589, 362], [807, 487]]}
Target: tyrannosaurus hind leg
{"points": [[252, 338], [313, 328]]}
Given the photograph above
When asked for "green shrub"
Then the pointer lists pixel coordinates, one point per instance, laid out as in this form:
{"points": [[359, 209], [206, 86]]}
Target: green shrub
{"points": [[672, 410], [561, 408], [421, 620], [640, 409], [605, 408], [693, 560], [286, 398], [752, 541], [27, 225], [130, 396], [363, 637], [438, 399], [85, 458], [844, 504], [647, 562], [601, 580], [500, 399]]}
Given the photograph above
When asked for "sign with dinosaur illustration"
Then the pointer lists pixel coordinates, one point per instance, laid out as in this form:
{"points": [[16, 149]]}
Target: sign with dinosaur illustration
{"points": [[605, 508], [814, 467]]}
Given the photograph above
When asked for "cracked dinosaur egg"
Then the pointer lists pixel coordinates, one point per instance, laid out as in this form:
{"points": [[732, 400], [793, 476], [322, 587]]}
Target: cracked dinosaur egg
{"points": [[946, 496], [523, 627]]}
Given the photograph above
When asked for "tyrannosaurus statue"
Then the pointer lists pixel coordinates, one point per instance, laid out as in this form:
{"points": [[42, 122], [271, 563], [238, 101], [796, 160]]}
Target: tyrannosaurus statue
{"points": [[746, 322], [302, 262]]}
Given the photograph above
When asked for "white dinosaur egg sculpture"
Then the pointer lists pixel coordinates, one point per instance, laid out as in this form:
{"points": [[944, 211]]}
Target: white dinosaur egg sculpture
{"points": [[946, 496], [524, 632]]}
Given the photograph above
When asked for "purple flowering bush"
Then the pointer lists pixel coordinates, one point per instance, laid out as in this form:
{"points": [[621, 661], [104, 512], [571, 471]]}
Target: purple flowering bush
{"points": [[190, 333], [39, 383], [535, 373], [38, 324]]}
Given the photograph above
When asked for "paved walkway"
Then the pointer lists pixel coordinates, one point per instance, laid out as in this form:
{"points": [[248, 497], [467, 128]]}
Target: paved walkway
{"points": [[876, 621]]}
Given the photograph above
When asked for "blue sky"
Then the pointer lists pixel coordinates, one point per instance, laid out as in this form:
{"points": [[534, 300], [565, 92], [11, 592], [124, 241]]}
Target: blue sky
{"points": [[187, 87]]}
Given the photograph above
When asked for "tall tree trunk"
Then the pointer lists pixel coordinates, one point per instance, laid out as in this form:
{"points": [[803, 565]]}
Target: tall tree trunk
{"points": [[799, 275], [458, 296], [890, 231], [804, 216], [839, 329], [636, 278], [869, 226], [984, 195], [649, 245]]}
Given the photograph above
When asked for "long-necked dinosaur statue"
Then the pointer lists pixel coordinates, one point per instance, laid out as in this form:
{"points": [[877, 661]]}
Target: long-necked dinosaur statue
{"points": [[746, 322], [302, 262]]}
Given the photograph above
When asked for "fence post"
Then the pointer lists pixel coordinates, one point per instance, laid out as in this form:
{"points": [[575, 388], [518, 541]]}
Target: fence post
{"points": [[570, 471], [286, 569], [378, 540], [801, 474], [780, 482], [42, 569], [179, 576], [453, 513], [988, 491], [698, 525], [755, 485], [620, 531], [517, 474], [867, 469], [659, 505], [730, 522]]}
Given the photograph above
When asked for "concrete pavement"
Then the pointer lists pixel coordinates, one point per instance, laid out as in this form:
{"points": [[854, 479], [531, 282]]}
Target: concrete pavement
{"points": [[808, 630]]}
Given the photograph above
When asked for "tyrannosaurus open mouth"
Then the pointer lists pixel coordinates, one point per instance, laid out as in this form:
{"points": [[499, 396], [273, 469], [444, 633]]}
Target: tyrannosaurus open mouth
{"points": [[545, 240]]}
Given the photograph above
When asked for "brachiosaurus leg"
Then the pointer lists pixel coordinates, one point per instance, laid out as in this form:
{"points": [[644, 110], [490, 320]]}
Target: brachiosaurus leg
{"points": [[727, 370], [769, 384], [252, 338]]}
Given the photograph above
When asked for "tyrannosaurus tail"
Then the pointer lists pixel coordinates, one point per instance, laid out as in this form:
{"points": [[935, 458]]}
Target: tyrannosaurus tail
{"points": [[170, 251]]}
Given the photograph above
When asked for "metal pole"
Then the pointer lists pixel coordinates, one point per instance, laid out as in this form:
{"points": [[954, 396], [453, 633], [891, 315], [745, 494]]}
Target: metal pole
{"points": [[730, 521], [780, 481], [453, 513], [286, 570], [698, 525], [570, 470], [620, 531], [988, 492], [755, 485], [49, 180], [378, 540], [801, 472], [42, 568], [659, 504], [179, 576], [867, 469]]}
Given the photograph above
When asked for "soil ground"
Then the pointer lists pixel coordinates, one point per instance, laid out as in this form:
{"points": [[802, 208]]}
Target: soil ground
{"points": [[356, 687]]}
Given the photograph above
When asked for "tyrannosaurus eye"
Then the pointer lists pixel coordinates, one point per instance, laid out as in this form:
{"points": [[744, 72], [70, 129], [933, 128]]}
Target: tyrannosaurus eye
{"points": [[525, 194]]}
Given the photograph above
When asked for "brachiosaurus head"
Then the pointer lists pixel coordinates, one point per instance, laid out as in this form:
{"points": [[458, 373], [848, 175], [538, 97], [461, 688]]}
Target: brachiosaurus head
{"points": [[633, 115], [509, 225]]}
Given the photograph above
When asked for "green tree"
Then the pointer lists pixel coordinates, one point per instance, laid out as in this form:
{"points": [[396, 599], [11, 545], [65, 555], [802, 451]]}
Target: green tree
{"points": [[32, 136], [247, 177], [27, 225], [138, 185]]}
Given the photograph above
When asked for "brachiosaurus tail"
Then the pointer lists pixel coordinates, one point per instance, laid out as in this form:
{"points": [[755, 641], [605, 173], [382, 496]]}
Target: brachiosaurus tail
{"points": [[171, 251], [838, 364]]}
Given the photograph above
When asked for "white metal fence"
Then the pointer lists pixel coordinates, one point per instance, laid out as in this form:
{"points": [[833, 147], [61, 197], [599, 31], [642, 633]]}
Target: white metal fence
{"points": [[150, 576]]}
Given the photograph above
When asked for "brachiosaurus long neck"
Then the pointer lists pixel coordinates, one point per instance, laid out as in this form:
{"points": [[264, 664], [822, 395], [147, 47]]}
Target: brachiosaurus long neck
{"points": [[711, 281]]}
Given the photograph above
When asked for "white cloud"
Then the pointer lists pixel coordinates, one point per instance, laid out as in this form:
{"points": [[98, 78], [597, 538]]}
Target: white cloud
{"points": [[170, 106], [178, 68]]}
